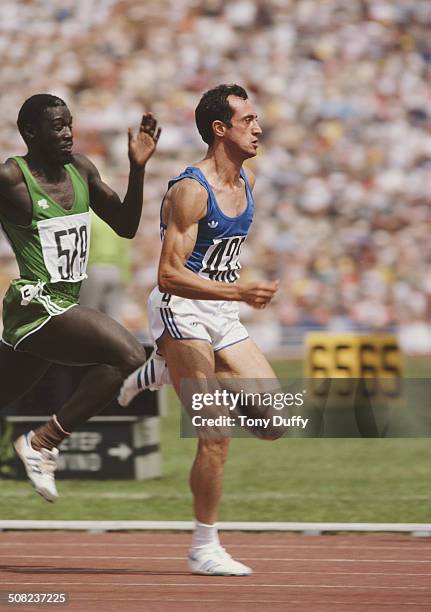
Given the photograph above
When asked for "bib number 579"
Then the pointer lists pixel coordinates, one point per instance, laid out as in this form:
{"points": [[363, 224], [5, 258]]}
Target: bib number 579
{"points": [[71, 245]]}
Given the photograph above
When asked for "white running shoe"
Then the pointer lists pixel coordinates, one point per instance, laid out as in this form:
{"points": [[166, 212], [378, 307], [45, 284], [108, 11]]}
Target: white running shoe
{"points": [[40, 466], [213, 560], [152, 376]]}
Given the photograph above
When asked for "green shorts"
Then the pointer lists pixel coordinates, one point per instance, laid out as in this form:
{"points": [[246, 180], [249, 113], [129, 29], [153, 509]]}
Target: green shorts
{"points": [[29, 304]]}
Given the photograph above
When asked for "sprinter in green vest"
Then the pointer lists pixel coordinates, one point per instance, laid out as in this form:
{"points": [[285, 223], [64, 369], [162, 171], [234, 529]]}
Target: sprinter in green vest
{"points": [[45, 198]]}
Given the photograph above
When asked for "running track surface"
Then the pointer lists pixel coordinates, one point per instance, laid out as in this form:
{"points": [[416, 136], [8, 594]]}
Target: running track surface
{"points": [[113, 572]]}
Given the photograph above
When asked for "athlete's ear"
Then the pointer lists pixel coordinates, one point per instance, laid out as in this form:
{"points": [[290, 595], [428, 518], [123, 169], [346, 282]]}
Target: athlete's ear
{"points": [[29, 132], [219, 128]]}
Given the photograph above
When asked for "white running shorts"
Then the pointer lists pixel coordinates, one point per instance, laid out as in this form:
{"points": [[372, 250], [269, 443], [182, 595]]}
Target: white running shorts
{"points": [[216, 322]]}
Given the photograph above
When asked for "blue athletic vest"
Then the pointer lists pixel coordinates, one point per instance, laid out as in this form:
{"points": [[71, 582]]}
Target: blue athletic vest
{"points": [[220, 238]]}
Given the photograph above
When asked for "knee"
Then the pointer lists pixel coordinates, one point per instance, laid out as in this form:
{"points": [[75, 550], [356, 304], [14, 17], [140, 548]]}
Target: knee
{"points": [[271, 434], [270, 437]]}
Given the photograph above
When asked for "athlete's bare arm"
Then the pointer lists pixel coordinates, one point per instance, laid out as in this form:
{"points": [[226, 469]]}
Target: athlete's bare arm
{"points": [[186, 204], [124, 216], [15, 202]]}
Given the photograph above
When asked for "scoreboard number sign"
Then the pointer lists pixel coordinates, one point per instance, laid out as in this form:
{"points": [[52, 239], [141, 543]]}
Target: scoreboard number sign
{"points": [[354, 356]]}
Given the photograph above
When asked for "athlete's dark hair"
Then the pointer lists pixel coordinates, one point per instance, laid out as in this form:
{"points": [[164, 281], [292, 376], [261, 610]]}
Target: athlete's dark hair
{"points": [[214, 105], [33, 108]]}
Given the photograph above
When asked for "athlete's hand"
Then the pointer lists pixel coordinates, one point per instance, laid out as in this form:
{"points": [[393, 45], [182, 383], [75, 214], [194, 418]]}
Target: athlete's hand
{"points": [[259, 294], [143, 145]]}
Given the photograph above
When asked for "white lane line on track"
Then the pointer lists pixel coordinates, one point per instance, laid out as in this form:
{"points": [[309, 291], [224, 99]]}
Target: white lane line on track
{"points": [[180, 600], [290, 602], [185, 544], [169, 558], [323, 573], [256, 601], [235, 584]]}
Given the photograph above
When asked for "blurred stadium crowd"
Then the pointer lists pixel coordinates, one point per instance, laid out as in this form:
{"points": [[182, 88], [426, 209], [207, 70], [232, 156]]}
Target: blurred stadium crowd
{"points": [[344, 169]]}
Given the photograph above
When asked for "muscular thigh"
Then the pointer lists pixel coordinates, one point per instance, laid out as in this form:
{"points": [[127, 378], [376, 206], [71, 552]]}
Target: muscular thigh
{"points": [[191, 368], [84, 336], [243, 360], [187, 359], [242, 368], [19, 372]]}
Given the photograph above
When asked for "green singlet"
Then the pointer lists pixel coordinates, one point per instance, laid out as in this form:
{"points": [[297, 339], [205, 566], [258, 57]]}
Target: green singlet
{"points": [[51, 252]]}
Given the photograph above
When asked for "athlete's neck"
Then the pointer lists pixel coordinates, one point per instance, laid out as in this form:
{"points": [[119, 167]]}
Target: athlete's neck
{"points": [[51, 171], [223, 165]]}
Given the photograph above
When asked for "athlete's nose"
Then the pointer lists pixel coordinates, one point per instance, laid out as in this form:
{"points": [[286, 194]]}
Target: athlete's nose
{"points": [[257, 130]]}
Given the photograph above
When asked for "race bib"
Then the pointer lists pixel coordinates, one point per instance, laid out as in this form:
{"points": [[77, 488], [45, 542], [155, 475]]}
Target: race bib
{"points": [[221, 261], [65, 246]]}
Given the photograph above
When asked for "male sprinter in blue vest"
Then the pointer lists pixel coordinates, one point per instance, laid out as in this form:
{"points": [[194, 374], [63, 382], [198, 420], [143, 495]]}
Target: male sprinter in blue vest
{"points": [[193, 312]]}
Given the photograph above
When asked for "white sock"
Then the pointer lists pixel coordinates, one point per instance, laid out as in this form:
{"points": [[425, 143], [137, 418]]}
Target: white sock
{"points": [[204, 535], [154, 371]]}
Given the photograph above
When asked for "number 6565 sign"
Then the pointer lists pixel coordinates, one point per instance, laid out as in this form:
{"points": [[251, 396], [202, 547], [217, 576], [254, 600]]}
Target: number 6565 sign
{"points": [[356, 356]]}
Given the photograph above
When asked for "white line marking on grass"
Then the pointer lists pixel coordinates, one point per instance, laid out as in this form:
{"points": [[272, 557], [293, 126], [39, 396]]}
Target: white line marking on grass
{"points": [[23, 491]]}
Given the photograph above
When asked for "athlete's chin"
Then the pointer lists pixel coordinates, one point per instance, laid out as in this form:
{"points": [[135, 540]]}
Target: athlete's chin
{"points": [[66, 157], [248, 152]]}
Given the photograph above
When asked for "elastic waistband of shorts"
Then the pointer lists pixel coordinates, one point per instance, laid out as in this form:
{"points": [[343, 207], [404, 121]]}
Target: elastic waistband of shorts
{"points": [[64, 290]]}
